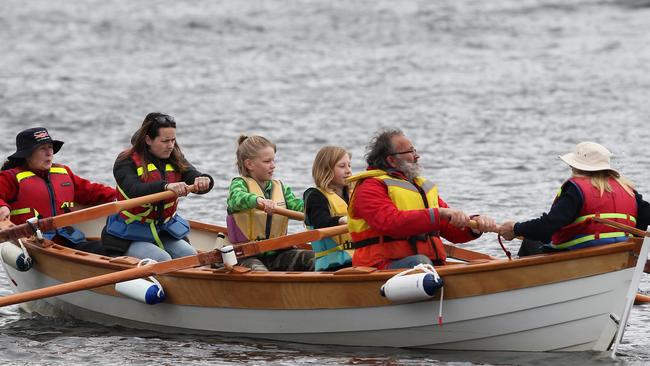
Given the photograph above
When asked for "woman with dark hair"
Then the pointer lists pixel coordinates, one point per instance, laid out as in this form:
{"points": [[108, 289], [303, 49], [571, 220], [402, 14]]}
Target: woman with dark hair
{"points": [[153, 164], [32, 185]]}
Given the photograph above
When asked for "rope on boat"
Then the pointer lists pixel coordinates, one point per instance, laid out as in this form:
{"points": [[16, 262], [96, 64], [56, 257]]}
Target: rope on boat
{"points": [[146, 261], [430, 269], [504, 248]]}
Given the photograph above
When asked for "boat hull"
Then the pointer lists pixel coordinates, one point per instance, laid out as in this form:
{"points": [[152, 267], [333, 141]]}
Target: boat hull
{"points": [[519, 314]]}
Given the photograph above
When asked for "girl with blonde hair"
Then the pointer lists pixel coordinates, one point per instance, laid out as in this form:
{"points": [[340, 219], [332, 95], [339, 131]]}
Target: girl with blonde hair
{"points": [[326, 205], [251, 200], [594, 189]]}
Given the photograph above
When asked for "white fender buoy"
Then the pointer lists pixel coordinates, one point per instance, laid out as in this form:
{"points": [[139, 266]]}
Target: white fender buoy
{"points": [[415, 287], [141, 290], [412, 287], [16, 257], [148, 292]]}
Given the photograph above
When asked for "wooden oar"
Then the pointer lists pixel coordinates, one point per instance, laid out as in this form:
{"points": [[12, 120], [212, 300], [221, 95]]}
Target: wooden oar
{"points": [[628, 229], [641, 299], [90, 213], [295, 215], [201, 259], [618, 225]]}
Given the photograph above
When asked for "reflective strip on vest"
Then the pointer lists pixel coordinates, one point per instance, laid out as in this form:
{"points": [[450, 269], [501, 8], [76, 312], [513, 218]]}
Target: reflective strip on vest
{"points": [[151, 167], [21, 211], [53, 170], [606, 216], [402, 184], [582, 239], [22, 175], [131, 216], [328, 251]]}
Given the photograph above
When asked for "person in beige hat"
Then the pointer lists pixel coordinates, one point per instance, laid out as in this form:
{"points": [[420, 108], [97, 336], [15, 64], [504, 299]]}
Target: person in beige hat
{"points": [[594, 188]]}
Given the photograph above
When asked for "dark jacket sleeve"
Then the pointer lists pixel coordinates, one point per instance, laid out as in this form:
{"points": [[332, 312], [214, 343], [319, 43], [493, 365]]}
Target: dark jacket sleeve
{"points": [[126, 177], [643, 212], [317, 211], [191, 173], [564, 211]]}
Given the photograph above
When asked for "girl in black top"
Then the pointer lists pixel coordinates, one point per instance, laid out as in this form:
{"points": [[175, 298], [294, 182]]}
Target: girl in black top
{"points": [[326, 205]]}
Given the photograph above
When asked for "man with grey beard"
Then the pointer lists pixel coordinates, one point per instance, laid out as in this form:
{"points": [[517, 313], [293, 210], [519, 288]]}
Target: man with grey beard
{"points": [[395, 216]]}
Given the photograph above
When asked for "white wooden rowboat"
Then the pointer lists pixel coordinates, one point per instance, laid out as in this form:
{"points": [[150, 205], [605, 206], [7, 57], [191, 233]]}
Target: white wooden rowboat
{"points": [[569, 301]]}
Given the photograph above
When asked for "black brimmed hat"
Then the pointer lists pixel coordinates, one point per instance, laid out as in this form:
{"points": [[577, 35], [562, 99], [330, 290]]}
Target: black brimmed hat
{"points": [[30, 139]]}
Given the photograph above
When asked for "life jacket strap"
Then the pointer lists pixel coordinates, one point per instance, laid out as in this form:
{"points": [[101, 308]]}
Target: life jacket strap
{"points": [[328, 251]]}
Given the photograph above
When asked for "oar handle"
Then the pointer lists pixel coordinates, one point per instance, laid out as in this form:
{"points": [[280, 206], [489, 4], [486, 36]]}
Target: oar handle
{"points": [[258, 247], [295, 215], [618, 225]]}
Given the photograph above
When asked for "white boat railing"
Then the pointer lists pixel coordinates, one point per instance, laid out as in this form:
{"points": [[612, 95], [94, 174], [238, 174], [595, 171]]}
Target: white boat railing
{"points": [[631, 294]]}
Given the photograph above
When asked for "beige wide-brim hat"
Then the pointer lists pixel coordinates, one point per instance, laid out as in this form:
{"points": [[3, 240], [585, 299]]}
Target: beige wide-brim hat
{"points": [[589, 156]]}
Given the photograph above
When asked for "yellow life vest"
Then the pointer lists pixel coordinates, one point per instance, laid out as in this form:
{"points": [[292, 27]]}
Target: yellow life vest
{"points": [[256, 224], [403, 193], [338, 207], [406, 196], [333, 252]]}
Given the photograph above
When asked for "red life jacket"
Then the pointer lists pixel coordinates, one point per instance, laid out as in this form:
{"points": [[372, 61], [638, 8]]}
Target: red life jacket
{"points": [[36, 196], [617, 205], [150, 212]]}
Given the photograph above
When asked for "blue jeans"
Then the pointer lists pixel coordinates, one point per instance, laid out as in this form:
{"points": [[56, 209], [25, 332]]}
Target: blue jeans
{"points": [[174, 248], [409, 262]]}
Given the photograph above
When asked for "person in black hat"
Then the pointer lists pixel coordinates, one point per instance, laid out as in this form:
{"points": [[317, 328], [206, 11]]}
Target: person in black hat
{"points": [[154, 163], [32, 185]]}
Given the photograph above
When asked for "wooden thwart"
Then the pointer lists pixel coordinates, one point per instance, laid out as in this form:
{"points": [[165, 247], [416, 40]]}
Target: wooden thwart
{"points": [[201, 259]]}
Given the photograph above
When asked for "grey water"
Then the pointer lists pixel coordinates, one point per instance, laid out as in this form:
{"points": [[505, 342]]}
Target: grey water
{"points": [[489, 91]]}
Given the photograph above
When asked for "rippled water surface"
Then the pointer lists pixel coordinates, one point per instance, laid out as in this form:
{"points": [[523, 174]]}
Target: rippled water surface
{"points": [[490, 92]]}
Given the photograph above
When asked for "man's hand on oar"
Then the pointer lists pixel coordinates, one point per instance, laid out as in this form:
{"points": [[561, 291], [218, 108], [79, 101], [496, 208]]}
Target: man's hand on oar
{"points": [[201, 259], [90, 213]]}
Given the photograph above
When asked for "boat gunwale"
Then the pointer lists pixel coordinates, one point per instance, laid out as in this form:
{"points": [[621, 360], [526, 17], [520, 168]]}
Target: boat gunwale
{"points": [[363, 274]]}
